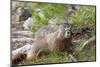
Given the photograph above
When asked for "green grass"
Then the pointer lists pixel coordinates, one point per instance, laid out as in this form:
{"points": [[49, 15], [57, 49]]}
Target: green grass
{"points": [[87, 54]]}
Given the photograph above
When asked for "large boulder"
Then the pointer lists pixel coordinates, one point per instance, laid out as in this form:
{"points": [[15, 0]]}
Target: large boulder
{"points": [[25, 14], [29, 23]]}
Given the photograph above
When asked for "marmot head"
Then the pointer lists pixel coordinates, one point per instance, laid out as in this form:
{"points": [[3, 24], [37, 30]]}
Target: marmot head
{"points": [[64, 31]]}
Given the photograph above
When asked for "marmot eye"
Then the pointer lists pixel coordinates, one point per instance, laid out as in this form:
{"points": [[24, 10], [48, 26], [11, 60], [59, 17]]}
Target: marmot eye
{"points": [[68, 32]]}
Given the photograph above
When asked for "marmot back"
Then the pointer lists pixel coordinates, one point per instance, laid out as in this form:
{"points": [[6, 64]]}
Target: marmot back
{"points": [[50, 28]]}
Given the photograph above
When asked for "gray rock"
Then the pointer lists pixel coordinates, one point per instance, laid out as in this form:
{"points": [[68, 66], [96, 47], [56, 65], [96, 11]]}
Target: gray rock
{"points": [[29, 23], [25, 15]]}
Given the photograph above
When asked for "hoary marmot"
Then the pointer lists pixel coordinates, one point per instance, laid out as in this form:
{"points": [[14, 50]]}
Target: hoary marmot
{"points": [[60, 39]]}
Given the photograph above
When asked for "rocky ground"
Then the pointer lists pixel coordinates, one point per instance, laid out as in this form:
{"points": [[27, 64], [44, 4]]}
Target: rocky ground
{"points": [[20, 37]]}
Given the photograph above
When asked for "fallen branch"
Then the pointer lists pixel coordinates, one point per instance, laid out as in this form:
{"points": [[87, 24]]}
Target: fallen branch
{"points": [[24, 39], [83, 44], [23, 49], [72, 57], [20, 54], [22, 33]]}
